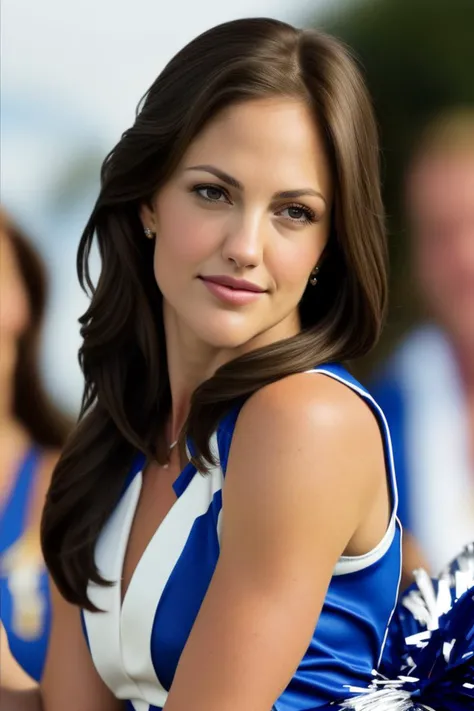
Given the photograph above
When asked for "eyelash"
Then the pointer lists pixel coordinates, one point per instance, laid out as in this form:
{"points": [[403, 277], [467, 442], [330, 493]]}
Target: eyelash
{"points": [[310, 216]]}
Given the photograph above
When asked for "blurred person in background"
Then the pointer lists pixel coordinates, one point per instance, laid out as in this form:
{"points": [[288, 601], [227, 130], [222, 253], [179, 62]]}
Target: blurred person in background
{"points": [[32, 432], [426, 388]]}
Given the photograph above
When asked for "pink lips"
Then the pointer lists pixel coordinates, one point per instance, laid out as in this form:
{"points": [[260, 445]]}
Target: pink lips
{"points": [[231, 290]]}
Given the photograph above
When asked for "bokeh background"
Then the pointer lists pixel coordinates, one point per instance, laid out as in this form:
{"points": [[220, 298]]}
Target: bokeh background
{"points": [[417, 56]]}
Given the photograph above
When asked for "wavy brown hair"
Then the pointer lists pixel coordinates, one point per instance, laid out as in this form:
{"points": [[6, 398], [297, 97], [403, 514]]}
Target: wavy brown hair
{"points": [[127, 394], [45, 423]]}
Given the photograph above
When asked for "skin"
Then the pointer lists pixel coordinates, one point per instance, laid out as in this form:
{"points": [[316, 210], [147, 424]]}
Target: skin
{"points": [[14, 439], [320, 499]]}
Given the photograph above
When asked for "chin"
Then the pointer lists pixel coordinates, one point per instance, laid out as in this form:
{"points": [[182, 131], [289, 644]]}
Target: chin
{"points": [[226, 333]]}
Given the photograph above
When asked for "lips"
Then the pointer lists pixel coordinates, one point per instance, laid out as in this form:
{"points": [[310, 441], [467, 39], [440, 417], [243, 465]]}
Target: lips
{"points": [[232, 283], [232, 292]]}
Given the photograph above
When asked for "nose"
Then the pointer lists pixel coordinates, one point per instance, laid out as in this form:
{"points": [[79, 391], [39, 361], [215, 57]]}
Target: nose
{"points": [[243, 244]]}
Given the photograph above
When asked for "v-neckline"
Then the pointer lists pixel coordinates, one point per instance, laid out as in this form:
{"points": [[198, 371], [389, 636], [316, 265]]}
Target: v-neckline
{"points": [[179, 486], [120, 638]]}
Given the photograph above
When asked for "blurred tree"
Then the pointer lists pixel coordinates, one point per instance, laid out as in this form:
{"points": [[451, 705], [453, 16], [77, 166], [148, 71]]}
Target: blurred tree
{"points": [[418, 57], [80, 176]]}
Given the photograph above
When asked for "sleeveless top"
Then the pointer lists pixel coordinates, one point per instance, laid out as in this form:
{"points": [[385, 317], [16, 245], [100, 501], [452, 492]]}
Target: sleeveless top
{"points": [[136, 645], [25, 610]]}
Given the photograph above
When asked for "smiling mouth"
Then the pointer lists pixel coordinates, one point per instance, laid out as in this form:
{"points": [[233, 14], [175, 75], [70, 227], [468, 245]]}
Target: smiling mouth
{"points": [[233, 283], [232, 291]]}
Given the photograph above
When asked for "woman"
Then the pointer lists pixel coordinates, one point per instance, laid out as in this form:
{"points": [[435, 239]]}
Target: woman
{"points": [[31, 433], [221, 527]]}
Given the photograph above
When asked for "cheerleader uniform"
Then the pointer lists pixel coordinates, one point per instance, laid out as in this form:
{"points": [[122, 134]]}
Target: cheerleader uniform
{"points": [[136, 643], [25, 610]]}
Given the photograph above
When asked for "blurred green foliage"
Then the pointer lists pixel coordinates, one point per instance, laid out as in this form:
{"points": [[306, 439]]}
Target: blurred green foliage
{"points": [[418, 58]]}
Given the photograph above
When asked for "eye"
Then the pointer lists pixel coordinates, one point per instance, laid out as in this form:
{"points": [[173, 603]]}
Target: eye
{"points": [[299, 213], [211, 193]]}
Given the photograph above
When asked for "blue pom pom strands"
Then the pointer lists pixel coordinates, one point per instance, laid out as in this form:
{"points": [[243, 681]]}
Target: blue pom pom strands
{"points": [[429, 660]]}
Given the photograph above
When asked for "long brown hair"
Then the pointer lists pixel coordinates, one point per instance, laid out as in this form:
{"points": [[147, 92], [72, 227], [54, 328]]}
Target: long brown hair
{"points": [[127, 395], [46, 425]]}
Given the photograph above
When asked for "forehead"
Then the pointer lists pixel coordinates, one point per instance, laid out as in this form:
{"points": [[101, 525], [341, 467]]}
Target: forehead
{"points": [[273, 141]]}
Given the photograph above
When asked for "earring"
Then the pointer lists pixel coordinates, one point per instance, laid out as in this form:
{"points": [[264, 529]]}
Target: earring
{"points": [[313, 280], [149, 234]]}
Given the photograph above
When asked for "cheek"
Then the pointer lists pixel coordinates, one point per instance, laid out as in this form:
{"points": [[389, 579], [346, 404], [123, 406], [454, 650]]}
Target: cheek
{"points": [[185, 234], [292, 264]]}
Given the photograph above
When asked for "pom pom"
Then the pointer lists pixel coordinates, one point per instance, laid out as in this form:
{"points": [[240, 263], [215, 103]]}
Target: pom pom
{"points": [[429, 658]]}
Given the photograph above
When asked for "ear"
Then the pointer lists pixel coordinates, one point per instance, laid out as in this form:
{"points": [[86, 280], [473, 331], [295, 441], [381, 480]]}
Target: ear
{"points": [[148, 216]]}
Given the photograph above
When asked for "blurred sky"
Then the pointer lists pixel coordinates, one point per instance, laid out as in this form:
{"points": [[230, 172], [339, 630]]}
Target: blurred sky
{"points": [[99, 56], [71, 76]]}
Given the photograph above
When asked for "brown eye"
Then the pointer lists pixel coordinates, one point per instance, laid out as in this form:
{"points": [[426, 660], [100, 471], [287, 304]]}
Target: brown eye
{"points": [[211, 193]]}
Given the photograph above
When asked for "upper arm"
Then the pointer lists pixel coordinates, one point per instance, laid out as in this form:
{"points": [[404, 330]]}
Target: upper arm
{"points": [[70, 680], [303, 463]]}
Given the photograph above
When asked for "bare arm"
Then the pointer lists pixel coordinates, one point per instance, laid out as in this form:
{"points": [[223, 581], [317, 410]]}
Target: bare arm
{"points": [[293, 500], [70, 680]]}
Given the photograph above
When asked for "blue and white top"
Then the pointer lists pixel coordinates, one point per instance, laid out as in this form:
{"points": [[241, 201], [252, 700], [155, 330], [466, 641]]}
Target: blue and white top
{"points": [[136, 645], [25, 608]]}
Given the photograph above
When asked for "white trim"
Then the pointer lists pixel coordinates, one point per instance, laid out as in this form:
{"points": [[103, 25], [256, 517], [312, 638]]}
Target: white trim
{"points": [[219, 526], [352, 564], [139, 705], [103, 629], [396, 597]]}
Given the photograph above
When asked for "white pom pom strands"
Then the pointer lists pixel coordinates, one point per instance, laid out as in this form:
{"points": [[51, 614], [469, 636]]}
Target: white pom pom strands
{"points": [[384, 695], [437, 662], [384, 700]]}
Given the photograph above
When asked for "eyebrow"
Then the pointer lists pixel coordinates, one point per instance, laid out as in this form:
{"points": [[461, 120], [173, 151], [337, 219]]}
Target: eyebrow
{"points": [[233, 182]]}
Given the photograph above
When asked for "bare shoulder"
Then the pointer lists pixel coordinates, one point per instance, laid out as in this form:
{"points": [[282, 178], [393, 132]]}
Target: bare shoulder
{"points": [[308, 433], [305, 465], [312, 407]]}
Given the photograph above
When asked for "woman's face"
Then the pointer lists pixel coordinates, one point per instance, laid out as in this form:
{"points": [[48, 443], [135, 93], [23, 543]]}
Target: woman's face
{"points": [[242, 223]]}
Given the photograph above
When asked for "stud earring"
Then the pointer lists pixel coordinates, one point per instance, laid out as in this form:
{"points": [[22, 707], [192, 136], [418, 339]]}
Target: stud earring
{"points": [[313, 280], [149, 234]]}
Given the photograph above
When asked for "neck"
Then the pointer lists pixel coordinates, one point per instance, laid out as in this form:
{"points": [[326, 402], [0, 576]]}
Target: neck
{"points": [[191, 361]]}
